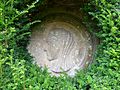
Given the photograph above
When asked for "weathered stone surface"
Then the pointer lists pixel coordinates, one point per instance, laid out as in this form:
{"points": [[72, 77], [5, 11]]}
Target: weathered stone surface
{"points": [[60, 46]]}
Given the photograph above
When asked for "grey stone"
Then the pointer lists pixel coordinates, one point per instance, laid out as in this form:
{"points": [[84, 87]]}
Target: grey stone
{"points": [[61, 47]]}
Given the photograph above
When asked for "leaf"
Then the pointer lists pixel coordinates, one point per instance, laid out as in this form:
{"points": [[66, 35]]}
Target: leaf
{"points": [[114, 29]]}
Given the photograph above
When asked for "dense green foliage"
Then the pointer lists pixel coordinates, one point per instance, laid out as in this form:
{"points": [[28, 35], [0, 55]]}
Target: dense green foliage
{"points": [[17, 71]]}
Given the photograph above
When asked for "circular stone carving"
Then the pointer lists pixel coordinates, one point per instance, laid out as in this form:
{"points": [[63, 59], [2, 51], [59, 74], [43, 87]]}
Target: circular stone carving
{"points": [[60, 46]]}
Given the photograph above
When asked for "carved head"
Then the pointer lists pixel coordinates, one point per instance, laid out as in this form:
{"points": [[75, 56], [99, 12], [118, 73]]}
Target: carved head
{"points": [[59, 43]]}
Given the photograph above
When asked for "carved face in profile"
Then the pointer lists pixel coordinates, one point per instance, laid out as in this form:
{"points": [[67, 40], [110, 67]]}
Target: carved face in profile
{"points": [[60, 47]]}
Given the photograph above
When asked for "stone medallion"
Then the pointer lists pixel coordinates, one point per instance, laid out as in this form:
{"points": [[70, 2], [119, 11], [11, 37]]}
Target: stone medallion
{"points": [[61, 47]]}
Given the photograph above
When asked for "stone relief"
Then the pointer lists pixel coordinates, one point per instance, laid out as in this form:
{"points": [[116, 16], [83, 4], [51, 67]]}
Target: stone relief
{"points": [[61, 47]]}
